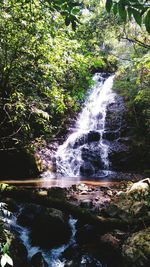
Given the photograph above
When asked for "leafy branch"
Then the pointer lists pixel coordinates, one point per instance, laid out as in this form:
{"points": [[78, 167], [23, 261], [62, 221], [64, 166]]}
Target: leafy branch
{"points": [[128, 9]]}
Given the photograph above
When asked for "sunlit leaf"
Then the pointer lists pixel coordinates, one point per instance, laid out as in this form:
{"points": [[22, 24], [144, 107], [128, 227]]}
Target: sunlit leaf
{"points": [[6, 259]]}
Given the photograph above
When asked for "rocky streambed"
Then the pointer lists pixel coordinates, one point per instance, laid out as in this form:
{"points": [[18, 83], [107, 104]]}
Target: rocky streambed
{"points": [[84, 225]]}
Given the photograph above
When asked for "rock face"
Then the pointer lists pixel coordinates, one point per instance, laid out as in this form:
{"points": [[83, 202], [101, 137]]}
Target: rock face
{"points": [[115, 135], [126, 150], [37, 260], [136, 250], [20, 164], [92, 159], [49, 227]]}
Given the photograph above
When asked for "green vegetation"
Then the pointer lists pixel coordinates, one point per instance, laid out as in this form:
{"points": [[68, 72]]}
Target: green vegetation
{"points": [[128, 9], [132, 82], [49, 51], [44, 70]]}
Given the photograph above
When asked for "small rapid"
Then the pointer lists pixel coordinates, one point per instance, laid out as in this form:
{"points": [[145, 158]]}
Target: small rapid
{"points": [[52, 256], [87, 136]]}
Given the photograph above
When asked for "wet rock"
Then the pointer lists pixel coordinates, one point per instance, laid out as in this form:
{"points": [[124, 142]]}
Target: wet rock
{"points": [[87, 169], [11, 204], [18, 253], [93, 136], [74, 256], [49, 227], [86, 203], [111, 135], [57, 192], [92, 155], [80, 141], [38, 260], [86, 234], [136, 250], [119, 156]]}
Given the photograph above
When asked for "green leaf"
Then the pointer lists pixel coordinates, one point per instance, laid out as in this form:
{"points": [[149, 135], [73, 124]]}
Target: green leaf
{"points": [[137, 16], [115, 8], [109, 4], [75, 11], [64, 7], [129, 13], [6, 248], [122, 11], [147, 21]]}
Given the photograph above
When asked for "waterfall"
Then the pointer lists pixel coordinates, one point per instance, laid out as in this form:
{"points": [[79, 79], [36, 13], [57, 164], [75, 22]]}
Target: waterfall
{"points": [[85, 151]]}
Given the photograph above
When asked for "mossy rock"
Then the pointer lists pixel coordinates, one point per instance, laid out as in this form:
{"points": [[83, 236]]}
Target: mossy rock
{"points": [[136, 250]]}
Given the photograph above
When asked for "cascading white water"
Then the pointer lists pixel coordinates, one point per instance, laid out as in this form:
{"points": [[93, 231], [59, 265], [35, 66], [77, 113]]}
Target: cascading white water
{"points": [[52, 256], [69, 157]]}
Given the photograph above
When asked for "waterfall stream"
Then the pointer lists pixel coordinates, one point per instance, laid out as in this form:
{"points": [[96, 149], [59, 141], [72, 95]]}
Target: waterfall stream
{"points": [[85, 151], [52, 256]]}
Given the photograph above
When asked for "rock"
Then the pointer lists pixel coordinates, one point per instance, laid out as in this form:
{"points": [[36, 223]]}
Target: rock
{"points": [[57, 192], [38, 260], [140, 188], [119, 156], [18, 253], [93, 136], [110, 249], [110, 242], [11, 205], [136, 250], [49, 227], [80, 141], [86, 234], [87, 169], [20, 163], [92, 155], [82, 187], [111, 135], [86, 203], [74, 256]]}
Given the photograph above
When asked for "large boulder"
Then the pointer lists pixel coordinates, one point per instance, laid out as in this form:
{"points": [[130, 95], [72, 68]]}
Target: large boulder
{"points": [[86, 234], [48, 227], [141, 188], [18, 253], [132, 203], [38, 260], [136, 250]]}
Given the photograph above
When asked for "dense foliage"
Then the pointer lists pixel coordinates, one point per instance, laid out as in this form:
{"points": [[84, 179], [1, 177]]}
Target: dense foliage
{"points": [[46, 66], [128, 9], [42, 71]]}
